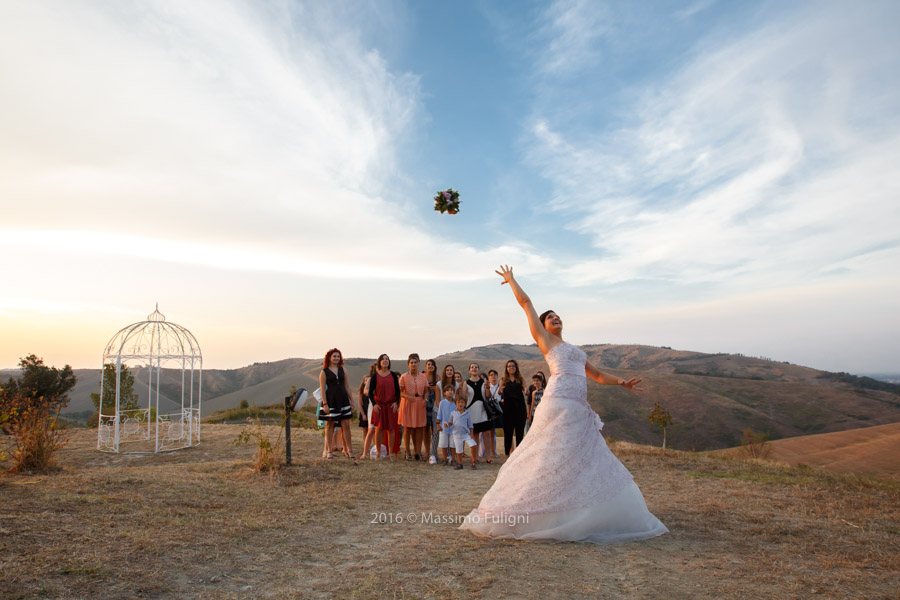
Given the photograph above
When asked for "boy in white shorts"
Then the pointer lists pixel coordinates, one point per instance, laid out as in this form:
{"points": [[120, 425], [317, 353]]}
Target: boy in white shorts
{"points": [[461, 425], [445, 409]]}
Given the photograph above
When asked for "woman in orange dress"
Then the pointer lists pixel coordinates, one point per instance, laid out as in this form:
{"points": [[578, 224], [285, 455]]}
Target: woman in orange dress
{"points": [[413, 386]]}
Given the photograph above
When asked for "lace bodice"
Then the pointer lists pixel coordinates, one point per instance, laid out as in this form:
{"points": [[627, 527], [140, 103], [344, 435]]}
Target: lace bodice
{"points": [[566, 359]]}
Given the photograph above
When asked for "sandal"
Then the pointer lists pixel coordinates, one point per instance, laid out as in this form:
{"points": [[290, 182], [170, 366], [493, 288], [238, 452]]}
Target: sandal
{"points": [[351, 456], [458, 466], [474, 467], [329, 456], [418, 458], [408, 456]]}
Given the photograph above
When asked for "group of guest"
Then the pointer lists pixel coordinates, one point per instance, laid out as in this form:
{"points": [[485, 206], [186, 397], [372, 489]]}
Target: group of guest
{"points": [[433, 413]]}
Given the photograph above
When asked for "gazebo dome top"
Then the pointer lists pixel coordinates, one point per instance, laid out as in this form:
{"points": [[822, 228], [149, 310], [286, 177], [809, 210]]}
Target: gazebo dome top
{"points": [[154, 339]]}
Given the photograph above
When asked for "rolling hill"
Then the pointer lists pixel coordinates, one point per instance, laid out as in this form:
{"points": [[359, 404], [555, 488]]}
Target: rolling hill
{"points": [[712, 397], [873, 451]]}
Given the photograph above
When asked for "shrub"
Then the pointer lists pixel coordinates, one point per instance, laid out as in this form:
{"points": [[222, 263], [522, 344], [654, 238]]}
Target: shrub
{"points": [[40, 381], [128, 400], [755, 445], [35, 431], [662, 418], [244, 404], [269, 457]]}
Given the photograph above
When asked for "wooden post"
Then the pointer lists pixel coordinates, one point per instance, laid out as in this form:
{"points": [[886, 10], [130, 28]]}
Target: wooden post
{"points": [[287, 430]]}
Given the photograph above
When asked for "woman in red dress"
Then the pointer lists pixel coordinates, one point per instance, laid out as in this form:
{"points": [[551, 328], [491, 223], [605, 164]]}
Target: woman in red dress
{"points": [[384, 393]]}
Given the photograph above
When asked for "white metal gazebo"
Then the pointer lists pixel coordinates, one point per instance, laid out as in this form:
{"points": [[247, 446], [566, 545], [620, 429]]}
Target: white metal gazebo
{"points": [[161, 424]]}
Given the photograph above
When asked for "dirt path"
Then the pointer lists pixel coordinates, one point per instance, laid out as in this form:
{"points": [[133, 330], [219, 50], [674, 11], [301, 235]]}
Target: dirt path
{"points": [[199, 523]]}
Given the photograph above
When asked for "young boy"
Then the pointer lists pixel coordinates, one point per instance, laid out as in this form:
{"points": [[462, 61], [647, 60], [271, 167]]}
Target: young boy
{"points": [[445, 409], [533, 399], [494, 392], [461, 425]]}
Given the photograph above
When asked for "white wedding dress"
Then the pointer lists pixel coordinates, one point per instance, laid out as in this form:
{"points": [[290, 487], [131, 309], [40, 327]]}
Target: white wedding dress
{"points": [[563, 483]]}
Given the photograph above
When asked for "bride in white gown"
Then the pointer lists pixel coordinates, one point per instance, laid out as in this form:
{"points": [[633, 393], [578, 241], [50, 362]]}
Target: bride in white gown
{"points": [[563, 483]]}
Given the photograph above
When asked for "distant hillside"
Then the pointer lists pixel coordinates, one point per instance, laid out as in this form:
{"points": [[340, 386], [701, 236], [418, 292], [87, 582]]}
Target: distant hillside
{"points": [[871, 451], [712, 397]]}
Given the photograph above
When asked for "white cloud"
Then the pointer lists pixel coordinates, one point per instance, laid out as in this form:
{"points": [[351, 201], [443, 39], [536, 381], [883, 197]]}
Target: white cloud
{"points": [[217, 133], [756, 163], [571, 31]]}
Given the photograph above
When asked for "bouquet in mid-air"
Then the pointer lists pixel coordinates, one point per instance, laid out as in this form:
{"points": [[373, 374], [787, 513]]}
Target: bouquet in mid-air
{"points": [[447, 200]]}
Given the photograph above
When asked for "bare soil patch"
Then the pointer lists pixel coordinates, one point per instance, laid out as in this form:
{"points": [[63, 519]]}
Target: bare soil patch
{"points": [[199, 523]]}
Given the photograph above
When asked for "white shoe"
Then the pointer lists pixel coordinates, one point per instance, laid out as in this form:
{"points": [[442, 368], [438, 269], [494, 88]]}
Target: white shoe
{"points": [[432, 460]]}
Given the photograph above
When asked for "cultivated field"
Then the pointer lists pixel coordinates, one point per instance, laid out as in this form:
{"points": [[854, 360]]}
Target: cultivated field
{"points": [[869, 450], [200, 523]]}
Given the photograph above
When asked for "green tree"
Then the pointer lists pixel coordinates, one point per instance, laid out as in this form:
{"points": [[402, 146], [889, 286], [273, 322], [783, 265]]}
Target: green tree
{"points": [[660, 417], [128, 400], [40, 381]]}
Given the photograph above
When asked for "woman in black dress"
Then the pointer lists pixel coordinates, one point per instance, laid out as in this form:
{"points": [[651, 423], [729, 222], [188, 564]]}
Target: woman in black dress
{"points": [[512, 393], [337, 407]]}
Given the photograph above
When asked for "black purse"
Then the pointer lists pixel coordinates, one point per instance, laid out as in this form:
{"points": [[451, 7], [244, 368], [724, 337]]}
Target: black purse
{"points": [[492, 408]]}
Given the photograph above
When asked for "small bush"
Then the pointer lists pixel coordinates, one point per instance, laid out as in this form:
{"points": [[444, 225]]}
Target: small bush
{"points": [[755, 445], [269, 457], [35, 430]]}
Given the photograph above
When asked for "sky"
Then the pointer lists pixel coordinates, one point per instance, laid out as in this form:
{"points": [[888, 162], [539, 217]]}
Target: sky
{"points": [[709, 176]]}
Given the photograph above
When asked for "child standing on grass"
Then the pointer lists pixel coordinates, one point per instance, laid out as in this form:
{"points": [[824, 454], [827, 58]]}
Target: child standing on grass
{"points": [[336, 443], [533, 399], [445, 409], [493, 391], [461, 425]]}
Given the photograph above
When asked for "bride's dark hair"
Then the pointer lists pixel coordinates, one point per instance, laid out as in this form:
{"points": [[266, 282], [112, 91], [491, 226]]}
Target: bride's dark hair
{"points": [[544, 316]]}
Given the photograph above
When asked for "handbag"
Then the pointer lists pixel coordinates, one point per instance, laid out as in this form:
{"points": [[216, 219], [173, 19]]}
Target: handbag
{"points": [[492, 408]]}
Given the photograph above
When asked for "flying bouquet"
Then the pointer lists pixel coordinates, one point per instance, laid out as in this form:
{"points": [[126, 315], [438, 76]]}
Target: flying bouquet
{"points": [[447, 200]]}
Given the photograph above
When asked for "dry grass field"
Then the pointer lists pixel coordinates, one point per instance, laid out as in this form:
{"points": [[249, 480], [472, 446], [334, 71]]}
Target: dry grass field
{"points": [[870, 450], [199, 523]]}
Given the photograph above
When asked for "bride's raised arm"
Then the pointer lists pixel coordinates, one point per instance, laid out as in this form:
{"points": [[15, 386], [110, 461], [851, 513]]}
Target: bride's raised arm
{"points": [[545, 340]]}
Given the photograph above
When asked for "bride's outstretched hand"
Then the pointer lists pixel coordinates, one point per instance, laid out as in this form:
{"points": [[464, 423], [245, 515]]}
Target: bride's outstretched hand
{"points": [[506, 273], [631, 385]]}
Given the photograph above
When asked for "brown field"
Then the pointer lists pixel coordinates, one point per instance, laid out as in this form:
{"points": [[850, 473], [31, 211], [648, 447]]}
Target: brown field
{"points": [[871, 451], [200, 523]]}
